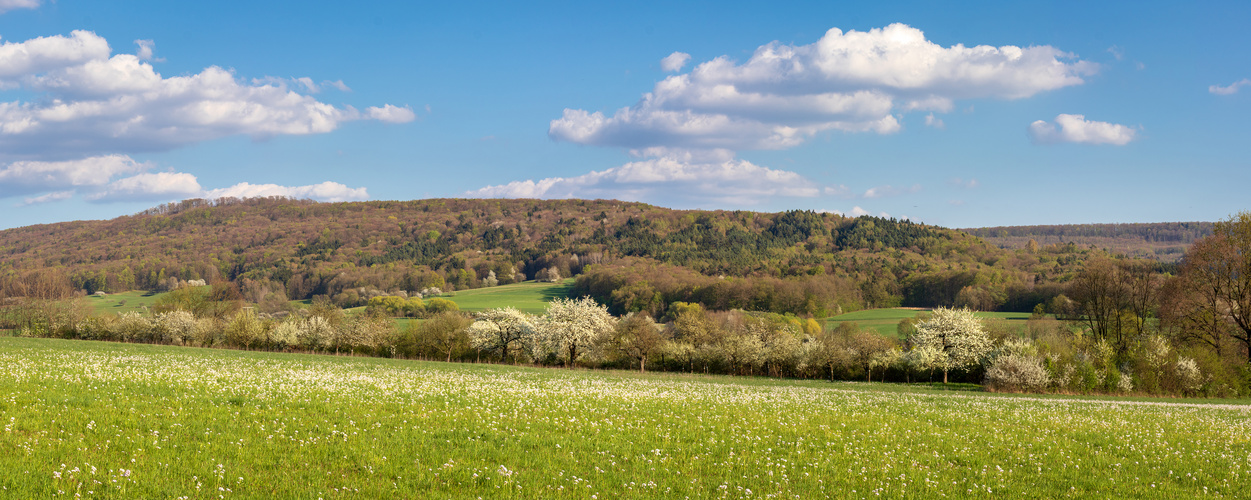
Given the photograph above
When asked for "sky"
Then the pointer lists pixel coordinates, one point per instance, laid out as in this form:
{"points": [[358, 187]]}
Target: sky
{"points": [[964, 114]]}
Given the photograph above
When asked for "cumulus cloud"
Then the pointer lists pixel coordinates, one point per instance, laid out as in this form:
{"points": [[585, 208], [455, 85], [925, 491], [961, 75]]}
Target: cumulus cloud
{"points": [[1076, 129], [848, 81], [1229, 89], [674, 61], [935, 122], [94, 103], [326, 191], [679, 177], [7, 5], [146, 49], [391, 114], [115, 178], [28, 177], [149, 187]]}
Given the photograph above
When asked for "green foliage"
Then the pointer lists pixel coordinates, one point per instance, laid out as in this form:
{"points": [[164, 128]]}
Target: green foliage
{"points": [[554, 436]]}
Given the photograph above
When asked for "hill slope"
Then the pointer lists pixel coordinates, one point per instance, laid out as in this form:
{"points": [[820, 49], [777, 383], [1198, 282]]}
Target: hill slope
{"points": [[1164, 241], [800, 262]]}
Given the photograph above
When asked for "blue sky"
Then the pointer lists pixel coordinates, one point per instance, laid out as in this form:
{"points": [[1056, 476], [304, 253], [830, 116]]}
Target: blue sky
{"points": [[968, 115]]}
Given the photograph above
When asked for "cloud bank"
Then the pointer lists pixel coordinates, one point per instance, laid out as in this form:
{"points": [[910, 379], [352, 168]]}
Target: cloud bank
{"points": [[676, 177], [848, 81], [119, 178], [1076, 129], [93, 103]]}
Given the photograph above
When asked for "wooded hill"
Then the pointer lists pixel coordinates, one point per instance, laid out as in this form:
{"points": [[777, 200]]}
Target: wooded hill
{"points": [[632, 256], [1164, 241]]}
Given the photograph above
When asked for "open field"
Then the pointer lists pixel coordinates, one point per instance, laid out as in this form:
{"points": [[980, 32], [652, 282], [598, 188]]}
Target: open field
{"points": [[885, 321], [135, 300], [528, 297], [141, 421]]}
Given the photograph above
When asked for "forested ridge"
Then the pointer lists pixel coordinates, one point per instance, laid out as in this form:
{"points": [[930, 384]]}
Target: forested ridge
{"points": [[1165, 241], [631, 256]]}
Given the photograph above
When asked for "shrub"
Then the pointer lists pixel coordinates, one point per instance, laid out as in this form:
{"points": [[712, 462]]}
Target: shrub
{"points": [[245, 330], [438, 305], [285, 335], [1189, 377], [1017, 372], [175, 327], [132, 327]]}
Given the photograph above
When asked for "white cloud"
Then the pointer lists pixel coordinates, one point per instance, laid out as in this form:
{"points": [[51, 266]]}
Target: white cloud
{"points": [[49, 197], [884, 191], [1075, 128], [1229, 89], [392, 114], [326, 191], [43, 54], [932, 121], [92, 103], [149, 187], [114, 178], [674, 61], [7, 5], [848, 81], [28, 177], [679, 178], [337, 84], [146, 49]]}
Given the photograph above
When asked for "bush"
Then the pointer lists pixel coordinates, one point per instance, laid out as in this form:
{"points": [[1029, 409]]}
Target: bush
{"points": [[437, 305], [176, 327], [245, 330], [1017, 372], [132, 327]]}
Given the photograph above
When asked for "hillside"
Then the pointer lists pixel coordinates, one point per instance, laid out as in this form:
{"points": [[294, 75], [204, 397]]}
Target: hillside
{"points": [[1163, 241], [631, 255]]}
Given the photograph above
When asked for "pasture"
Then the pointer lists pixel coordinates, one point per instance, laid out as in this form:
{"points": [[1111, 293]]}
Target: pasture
{"points": [[528, 297], [135, 300], [105, 420], [885, 321]]}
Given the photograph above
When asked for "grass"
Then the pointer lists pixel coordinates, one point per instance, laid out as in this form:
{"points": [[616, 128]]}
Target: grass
{"points": [[886, 321], [141, 421], [528, 297], [135, 300]]}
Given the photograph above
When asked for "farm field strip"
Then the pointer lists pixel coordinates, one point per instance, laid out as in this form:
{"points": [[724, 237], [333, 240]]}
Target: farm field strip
{"points": [[886, 320], [119, 420]]}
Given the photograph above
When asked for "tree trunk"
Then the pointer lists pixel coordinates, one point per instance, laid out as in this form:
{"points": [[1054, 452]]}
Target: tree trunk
{"points": [[944, 376], [642, 360]]}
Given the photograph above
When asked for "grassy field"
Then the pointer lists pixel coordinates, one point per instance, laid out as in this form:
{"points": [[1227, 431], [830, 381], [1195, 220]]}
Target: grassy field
{"points": [[885, 321], [140, 421], [135, 300], [529, 297]]}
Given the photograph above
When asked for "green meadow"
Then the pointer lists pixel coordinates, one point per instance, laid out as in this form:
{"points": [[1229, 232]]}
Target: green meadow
{"points": [[105, 420], [528, 297], [113, 303], [886, 321]]}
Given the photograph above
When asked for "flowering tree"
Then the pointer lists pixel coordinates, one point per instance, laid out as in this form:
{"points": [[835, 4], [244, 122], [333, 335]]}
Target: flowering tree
{"points": [[952, 339], [572, 324], [501, 329], [638, 337]]}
